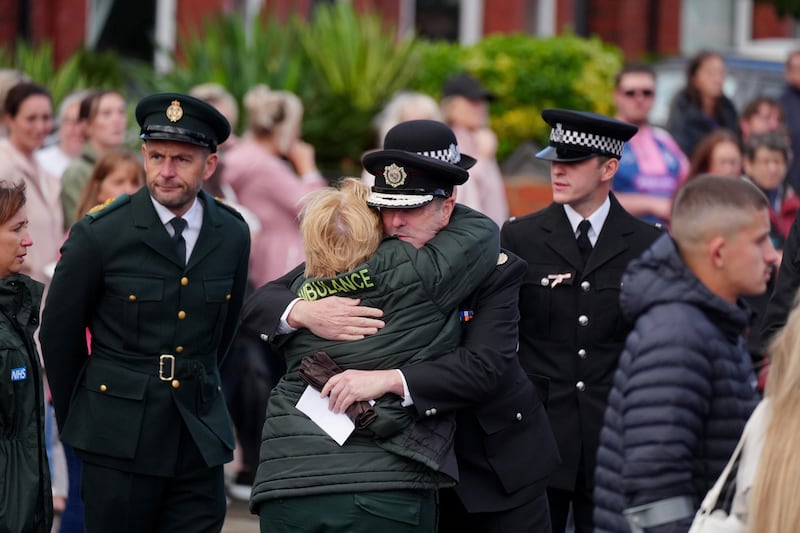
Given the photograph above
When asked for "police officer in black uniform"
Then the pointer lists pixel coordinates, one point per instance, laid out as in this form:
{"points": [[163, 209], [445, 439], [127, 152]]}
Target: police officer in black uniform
{"points": [[571, 328], [158, 279]]}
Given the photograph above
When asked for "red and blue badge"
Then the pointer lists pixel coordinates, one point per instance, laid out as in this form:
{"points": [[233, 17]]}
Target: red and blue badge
{"points": [[465, 316]]}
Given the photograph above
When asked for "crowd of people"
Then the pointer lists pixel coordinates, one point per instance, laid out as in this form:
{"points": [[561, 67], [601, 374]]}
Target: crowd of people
{"points": [[392, 351]]}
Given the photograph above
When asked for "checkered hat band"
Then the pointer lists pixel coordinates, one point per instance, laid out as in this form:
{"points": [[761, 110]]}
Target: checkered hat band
{"points": [[450, 155], [597, 143]]}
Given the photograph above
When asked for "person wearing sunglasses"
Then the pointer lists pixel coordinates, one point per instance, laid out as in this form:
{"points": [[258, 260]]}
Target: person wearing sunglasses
{"points": [[652, 164]]}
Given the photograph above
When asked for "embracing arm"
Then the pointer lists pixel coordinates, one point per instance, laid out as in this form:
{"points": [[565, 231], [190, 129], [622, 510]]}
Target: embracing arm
{"points": [[261, 312], [462, 377], [457, 259], [488, 347], [332, 318], [70, 302]]}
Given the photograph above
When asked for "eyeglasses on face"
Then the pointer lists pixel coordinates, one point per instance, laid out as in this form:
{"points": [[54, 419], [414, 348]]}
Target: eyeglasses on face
{"points": [[632, 93]]}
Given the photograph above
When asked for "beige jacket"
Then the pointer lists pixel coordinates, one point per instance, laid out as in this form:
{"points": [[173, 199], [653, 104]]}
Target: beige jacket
{"points": [[43, 205]]}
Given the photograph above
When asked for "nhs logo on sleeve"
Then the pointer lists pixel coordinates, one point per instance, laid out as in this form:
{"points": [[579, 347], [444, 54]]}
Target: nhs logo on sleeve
{"points": [[19, 374]]}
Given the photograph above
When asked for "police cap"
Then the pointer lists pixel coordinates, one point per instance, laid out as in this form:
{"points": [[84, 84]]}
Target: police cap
{"points": [[420, 161], [579, 135]]}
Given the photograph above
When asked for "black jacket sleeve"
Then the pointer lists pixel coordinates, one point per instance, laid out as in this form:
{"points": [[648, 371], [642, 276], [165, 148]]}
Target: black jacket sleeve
{"points": [[261, 312], [786, 285], [463, 377]]}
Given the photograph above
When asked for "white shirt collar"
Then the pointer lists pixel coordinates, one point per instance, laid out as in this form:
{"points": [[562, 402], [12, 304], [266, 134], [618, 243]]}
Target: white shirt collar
{"points": [[596, 219], [193, 218]]}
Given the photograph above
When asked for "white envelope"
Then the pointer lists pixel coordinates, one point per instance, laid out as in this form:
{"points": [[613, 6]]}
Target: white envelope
{"points": [[338, 426]]}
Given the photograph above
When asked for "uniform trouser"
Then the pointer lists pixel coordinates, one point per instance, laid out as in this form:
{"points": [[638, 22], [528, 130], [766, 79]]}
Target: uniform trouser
{"points": [[193, 499], [530, 517], [391, 511], [580, 500]]}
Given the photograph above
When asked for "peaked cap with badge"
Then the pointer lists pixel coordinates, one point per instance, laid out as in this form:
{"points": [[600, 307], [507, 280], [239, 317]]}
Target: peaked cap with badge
{"points": [[579, 135], [182, 118], [420, 161]]}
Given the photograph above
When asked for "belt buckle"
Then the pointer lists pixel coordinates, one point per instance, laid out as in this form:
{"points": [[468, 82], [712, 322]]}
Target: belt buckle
{"points": [[166, 359]]}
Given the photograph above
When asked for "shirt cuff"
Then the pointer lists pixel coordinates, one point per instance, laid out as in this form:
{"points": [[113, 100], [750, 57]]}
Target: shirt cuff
{"points": [[283, 326], [407, 399]]}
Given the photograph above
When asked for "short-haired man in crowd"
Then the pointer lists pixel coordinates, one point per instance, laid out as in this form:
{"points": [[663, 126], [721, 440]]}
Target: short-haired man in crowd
{"points": [[684, 387], [652, 164]]}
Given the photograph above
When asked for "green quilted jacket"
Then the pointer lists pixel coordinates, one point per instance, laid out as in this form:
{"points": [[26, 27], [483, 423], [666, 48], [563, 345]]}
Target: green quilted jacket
{"points": [[419, 291]]}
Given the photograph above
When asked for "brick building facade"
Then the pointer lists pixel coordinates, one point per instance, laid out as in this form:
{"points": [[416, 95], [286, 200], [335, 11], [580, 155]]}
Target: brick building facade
{"points": [[641, 28]]}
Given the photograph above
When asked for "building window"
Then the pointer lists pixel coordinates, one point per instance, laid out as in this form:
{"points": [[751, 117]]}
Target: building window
{"points": [[126, 27], [438, 19], [707, 24], [540, 17]]}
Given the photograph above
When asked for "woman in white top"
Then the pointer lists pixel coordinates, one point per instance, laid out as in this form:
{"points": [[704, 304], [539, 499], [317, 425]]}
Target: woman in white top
{"points": [[769, 469]]}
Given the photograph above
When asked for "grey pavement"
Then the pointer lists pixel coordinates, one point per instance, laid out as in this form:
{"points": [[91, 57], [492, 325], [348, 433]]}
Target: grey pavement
{"points": [[239, 519]]}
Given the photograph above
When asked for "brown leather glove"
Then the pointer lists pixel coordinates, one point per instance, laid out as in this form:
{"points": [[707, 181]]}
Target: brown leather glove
{"points": [[318, 369]]}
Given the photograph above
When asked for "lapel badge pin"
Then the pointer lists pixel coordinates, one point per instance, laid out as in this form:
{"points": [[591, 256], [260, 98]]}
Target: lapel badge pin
{"points": [[465, 316], [558, 278]]}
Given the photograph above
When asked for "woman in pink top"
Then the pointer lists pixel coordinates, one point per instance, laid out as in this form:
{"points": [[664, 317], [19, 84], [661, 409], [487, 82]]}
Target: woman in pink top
{"points": [[270, 171]]}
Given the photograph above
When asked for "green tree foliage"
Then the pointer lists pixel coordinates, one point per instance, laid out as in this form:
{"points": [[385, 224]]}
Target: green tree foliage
{"points": [[225, 51], [81, 70], [355, 65], [345, 66]]}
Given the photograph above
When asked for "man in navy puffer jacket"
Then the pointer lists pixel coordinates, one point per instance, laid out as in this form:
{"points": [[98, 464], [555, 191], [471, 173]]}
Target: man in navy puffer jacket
{"points": [[684, 387]]}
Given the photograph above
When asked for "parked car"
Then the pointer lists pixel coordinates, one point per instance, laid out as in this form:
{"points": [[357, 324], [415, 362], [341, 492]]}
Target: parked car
{"points": [[746, 79]]}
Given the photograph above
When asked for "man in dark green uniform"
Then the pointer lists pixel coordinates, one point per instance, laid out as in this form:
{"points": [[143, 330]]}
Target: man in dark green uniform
{"points": [[158, 279]]}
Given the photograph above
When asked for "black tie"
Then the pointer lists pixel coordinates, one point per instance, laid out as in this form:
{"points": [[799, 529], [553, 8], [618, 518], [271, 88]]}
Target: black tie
{"points": [[179, 224], [584, 244]]}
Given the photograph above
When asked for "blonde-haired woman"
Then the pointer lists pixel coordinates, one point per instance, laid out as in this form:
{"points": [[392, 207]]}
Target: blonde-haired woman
{"points": [[769, 469], [270, 171], [305, 480], [340, 231]]}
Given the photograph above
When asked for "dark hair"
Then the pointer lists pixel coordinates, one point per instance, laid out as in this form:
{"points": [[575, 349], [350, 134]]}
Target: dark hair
{"points": [[91, 102], [12, 198], [771, 140], [701, 158], [21, 92], [692, 92], [630, 68], [102, 168], [752, 107]]}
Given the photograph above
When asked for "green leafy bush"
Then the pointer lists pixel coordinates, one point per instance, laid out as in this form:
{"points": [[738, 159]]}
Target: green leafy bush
{"points": [[527, 75], [345, 66], [355, 64], [223, 50], [81, 70]]}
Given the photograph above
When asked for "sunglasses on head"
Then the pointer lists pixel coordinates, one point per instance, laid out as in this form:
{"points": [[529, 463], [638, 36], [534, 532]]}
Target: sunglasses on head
{"points": [[647, 93]]}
